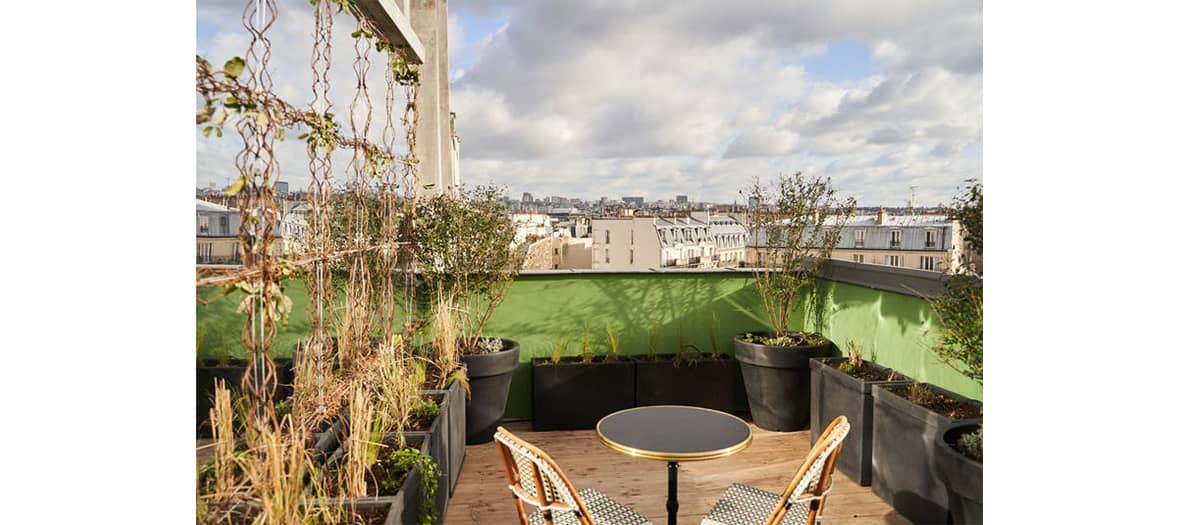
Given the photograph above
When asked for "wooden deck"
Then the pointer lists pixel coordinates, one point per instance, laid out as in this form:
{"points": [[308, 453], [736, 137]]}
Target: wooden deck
{"points": [[482, 496]]}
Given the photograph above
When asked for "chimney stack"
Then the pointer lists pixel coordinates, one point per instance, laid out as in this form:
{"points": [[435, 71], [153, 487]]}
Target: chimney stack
{"points": [[881, 216]]}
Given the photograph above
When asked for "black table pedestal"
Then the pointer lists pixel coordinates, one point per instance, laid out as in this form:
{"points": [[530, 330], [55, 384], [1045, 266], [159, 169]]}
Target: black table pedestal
{"points": [[673, 505]]}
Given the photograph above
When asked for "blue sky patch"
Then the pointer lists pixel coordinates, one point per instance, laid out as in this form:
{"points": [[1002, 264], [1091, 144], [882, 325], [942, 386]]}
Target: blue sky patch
{"points": [[844, 60]]}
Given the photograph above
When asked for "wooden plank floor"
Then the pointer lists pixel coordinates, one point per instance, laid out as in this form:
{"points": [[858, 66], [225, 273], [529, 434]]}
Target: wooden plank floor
{"points": [[482, 496]]}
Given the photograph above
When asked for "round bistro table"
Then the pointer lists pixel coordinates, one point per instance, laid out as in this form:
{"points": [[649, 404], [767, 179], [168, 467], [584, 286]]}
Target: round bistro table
{"points": [[674, 433]]}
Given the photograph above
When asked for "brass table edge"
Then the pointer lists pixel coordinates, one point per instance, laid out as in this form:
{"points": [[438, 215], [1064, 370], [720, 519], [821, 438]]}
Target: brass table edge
{"points": [[675, 456]]}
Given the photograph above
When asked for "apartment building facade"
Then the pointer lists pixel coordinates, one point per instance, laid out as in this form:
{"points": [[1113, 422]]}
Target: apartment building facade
{"points": [[921, 242], [698, 241]]}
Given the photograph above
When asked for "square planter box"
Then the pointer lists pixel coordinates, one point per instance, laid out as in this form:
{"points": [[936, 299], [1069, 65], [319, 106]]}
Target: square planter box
{"points": [[710, 383], [833, 394], [453, 411], [572, 395], [438, 437], [904, 474], [403, 506]]}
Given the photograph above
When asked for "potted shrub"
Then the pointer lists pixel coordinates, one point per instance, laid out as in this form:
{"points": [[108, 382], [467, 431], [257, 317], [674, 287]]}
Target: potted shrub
{"points": [[796, 225], [906, 424], [958, 458], [844, 387], [687, 377], [573, 393], [465, 249]]}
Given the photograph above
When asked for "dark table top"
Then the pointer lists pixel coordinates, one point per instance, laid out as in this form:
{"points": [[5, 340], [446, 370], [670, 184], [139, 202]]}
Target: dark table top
{"points": [[674, 433]]}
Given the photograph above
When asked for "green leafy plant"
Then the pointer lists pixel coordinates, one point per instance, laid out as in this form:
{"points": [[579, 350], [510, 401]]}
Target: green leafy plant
{"points": [[407, 459], [959, 308], [795, 226], [427, 409]]}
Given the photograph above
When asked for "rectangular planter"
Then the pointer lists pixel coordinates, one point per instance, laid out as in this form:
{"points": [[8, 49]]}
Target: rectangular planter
{"points": [[834, 394], [709, 383], [903, 455], [439, 437], [574, 396], [403, 506], [457, 429]]}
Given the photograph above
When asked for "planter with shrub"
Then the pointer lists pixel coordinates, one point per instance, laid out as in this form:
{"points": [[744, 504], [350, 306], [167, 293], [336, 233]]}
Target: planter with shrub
{"points": [[794, 228], [464, 244], [844, 387], [777, 376]]}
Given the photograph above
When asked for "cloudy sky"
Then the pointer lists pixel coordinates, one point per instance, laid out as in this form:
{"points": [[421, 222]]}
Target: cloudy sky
{"points": [[595, 98]]}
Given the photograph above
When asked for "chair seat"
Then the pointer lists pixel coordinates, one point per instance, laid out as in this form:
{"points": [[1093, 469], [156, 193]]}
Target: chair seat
{"points": [[742, 505], [603, 510]]}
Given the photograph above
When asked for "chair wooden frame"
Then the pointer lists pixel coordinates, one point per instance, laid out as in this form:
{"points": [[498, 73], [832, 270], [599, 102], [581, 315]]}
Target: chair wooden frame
{"points": [[505, 440], [836, 432]]}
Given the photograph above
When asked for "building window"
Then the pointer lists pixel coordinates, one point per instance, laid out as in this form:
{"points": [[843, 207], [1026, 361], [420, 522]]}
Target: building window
{"points": [[895, 260], [858, 258], [894, 238], [224, 224], [203, 224], [632, 236], [607, 239], [926, 262], [860, 238], [608, 256], [930, 238], [555, 254], [632, 257]]}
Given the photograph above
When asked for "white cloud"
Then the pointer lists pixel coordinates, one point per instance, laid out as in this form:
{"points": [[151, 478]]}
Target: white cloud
{"points": [[609, 97]]}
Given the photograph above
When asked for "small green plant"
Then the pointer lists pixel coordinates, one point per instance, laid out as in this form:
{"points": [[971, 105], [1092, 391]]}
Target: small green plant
{"points": [[282, 409], [557, 350], [920, 393], [427, 409], [715, 336], [587, 346], [686, 353], [405, 460], [855, 358], [612, 339], [971, 444]]}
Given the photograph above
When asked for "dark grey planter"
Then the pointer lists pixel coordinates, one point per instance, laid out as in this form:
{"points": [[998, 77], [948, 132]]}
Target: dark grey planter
{"points": [[327, 441], [963, 476], [438, 437], [490, 376], [709, 382], [574, 395], [208, 372], [834, 394], [904, 475], [457, 429], [404, 506], [778, 382]]}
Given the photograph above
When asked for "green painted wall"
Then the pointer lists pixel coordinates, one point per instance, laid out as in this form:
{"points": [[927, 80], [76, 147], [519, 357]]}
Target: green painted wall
{"points": [[894, 330]]}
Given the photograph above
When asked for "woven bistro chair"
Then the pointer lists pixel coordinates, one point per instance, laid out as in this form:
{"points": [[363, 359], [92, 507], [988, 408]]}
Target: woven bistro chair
{"points": [[803, 501], [535, 479]]}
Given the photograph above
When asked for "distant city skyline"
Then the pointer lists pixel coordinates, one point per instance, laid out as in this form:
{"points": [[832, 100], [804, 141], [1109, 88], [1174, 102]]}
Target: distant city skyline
{"points": [[680, 98]]}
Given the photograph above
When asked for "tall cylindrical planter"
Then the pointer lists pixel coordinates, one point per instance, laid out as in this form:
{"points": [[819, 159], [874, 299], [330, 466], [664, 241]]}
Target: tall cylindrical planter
{"points": [[778, 382], [963, 476], [490, 375]]}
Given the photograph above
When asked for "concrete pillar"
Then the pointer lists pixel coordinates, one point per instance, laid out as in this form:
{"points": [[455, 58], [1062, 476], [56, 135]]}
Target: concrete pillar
{"points": [[429, 21]]}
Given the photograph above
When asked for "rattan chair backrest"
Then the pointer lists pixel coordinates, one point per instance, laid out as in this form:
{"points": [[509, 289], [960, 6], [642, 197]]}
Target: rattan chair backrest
{"points": [[803, 500], [534, 478]]}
